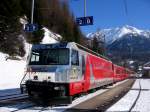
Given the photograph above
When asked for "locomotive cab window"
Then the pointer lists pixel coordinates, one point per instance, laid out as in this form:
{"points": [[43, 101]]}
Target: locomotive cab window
{"points": [[50, 57], [35, 57], [74, 57]]}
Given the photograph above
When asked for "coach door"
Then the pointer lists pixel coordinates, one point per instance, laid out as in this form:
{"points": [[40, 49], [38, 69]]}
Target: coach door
{"points": [[83, 65]]}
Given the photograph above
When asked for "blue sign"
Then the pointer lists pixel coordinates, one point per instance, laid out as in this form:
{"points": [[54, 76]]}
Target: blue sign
{"points": [[82, 21], [31, 27]]}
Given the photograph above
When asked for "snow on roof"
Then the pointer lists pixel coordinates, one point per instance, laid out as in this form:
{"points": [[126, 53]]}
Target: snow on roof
{"points": [[50, 37]]}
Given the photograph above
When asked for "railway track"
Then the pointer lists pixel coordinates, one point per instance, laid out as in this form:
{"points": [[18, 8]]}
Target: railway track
{"points": [[24, 107], [98, 103], [138, 96], [12, 99], [7, 95], [103, 101]]}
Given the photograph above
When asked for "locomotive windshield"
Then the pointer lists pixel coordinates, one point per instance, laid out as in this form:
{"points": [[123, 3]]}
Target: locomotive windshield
{"points": [[50, 57]]}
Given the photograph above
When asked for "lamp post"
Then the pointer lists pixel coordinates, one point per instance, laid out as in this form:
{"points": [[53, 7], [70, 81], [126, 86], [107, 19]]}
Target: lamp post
{"points": [[32, 12]]}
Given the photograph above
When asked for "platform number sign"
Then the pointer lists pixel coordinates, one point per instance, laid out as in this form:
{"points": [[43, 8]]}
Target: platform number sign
{"points": [[82, 21], [30, 27]]}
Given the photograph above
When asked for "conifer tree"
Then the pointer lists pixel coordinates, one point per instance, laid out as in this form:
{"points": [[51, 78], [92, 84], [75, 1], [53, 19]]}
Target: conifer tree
{"points": [[10, 28], [54, 15]]}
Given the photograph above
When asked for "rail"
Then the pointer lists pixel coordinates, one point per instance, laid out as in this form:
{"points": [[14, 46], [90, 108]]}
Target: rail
{"points": [[136, 98]]}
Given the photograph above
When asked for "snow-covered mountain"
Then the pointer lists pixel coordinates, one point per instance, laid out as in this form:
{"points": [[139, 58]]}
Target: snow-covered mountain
{"points": [[126, 42], [112, 34]]}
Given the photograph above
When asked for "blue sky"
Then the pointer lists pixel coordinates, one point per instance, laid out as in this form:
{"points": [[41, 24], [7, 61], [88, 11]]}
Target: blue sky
{"points": [[112, 13]]}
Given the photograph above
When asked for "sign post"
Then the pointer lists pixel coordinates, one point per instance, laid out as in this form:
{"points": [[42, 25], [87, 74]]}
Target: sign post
{"points": [[32, 12], [82, 21], [86, 20]]}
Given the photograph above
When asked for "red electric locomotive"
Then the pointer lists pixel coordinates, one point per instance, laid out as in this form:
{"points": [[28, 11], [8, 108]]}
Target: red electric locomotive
{"points": [[63, 70]]}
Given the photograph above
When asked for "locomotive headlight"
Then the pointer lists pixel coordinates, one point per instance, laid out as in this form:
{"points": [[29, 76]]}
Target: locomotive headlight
{"points": [[49, 77], [59, 88], [56, 88]]}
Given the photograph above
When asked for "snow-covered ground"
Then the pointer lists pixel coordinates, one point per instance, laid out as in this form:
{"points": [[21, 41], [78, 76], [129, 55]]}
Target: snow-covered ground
{"points": [[142, 104], [50, 37], [11, 72]]}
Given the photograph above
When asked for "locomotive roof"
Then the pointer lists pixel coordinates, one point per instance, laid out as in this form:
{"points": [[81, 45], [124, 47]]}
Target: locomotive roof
{"points": [[49, 46], [90, 51], [65, 45]]}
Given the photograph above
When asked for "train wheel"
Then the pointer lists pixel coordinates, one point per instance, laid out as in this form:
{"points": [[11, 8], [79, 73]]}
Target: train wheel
{"points": [[92, 90]]}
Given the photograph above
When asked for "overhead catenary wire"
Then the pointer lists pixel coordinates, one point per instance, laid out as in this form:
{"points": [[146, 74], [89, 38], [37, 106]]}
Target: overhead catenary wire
{"points": [[129, 21], [84, 8], [126, 8]]}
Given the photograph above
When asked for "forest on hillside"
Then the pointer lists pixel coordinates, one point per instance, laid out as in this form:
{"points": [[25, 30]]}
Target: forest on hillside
{"points": [[52, 14]]}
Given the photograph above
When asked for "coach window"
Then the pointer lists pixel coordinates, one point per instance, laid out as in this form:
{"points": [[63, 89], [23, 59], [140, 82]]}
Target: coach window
{"points": [[74, 57], [112, 67]]}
